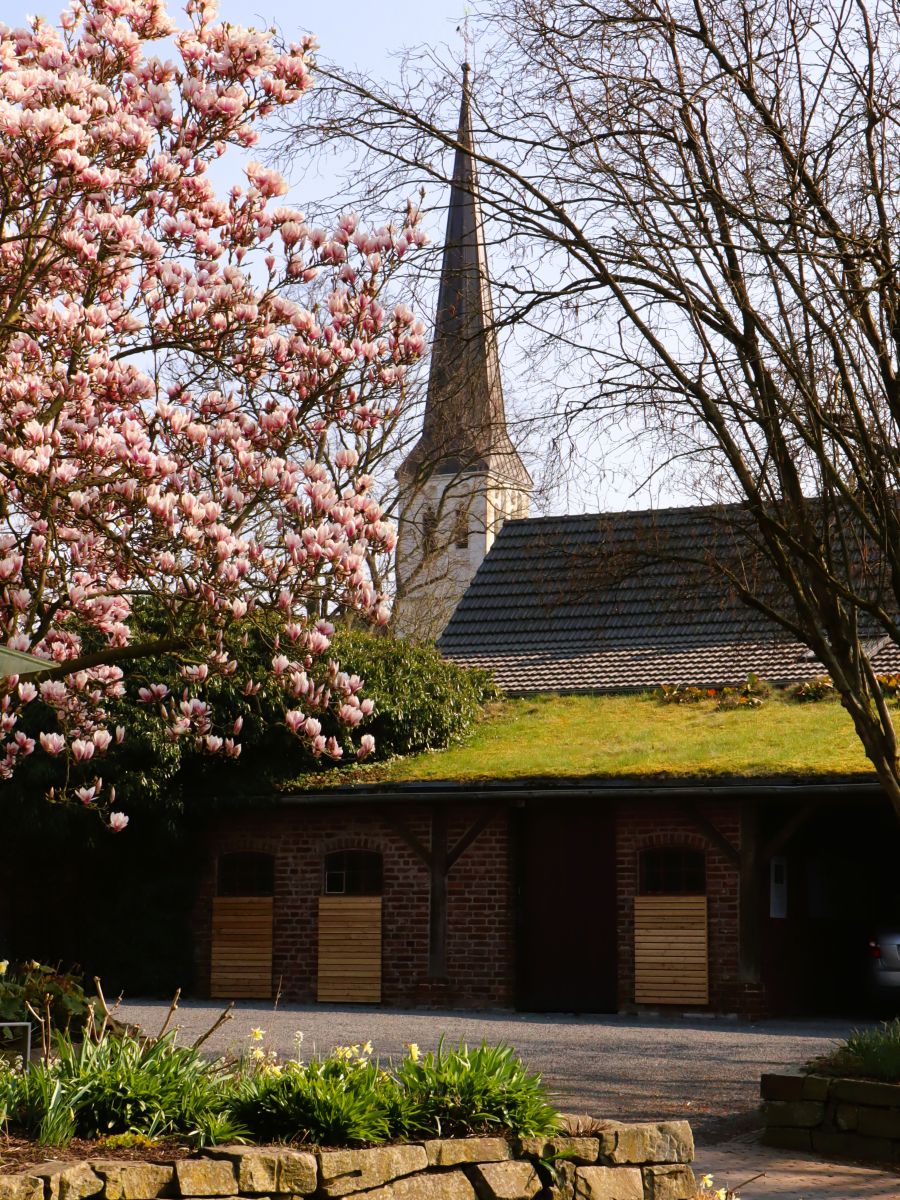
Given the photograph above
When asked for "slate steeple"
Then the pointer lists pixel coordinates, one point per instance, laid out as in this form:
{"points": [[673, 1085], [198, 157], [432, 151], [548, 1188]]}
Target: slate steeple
{"points": [[464, 477], [465, 417]]}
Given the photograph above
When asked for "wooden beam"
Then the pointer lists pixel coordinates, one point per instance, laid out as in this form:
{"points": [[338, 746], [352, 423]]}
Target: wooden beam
{"points": [[750, 952], [475, 830], [439, 860], [403, 831], [709, 831], [792, 825], [437, 917]]}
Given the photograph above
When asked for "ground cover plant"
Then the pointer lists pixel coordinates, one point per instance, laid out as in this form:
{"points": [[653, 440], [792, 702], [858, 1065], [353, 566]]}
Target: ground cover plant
{"points": [[116, 1086], [865, 1054], [636, 736]]}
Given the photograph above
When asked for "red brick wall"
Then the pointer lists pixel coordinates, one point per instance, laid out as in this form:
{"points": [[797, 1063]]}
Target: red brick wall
{"points": [[644, 826], [480, 900]]}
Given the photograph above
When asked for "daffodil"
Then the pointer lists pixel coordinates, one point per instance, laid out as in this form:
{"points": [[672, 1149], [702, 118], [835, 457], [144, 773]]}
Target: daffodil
{"points": [[413, 1049], [367, 1048], [4, 966], [257, 1034], [706, 1181]]}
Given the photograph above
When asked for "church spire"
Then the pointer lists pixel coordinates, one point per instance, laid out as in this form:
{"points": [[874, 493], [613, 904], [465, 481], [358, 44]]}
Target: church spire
{"points": [[463, 478], [464, 425]]}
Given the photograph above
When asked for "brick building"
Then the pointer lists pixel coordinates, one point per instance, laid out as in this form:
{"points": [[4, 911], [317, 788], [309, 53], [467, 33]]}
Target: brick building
{"points": [[743, 897], [731, 895]]}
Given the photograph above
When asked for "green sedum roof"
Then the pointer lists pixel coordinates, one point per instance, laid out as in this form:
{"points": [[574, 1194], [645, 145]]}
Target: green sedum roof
{"points": [[632, 737]]}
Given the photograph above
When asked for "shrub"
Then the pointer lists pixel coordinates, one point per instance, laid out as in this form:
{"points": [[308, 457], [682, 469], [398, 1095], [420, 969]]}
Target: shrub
{"points": [[682, 693], [422, 701], [813, 690], [750, 694], [338, 1100], [119, 1085], [349, 1098], [462, 1091], [49, 991], [866, 1054], [128, 1087]]}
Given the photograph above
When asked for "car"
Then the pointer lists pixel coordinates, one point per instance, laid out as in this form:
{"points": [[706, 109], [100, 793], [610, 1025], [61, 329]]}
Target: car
{"points": [[884, 966]]}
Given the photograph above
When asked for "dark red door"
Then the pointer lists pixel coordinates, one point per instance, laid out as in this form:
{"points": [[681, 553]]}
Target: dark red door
{"points": [[566, 908]]}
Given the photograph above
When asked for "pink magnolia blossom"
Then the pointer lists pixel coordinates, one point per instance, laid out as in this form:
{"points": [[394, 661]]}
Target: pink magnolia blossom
{"points": [[366, 746], [117, 821], [53, 743], [159, 488]]}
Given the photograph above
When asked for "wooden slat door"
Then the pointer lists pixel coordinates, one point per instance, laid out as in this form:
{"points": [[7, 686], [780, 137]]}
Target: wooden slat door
{"points": [[671, 950], [241, 967], [350, 949]]}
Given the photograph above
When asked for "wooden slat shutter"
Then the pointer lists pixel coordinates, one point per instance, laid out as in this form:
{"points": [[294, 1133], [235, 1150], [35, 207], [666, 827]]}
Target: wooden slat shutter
{"points": [[671, 950], [350, 949], [241, 966]]}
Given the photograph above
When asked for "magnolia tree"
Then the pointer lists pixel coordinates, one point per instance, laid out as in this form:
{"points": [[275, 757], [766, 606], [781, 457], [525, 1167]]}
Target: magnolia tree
{"points": [[174, 367]]}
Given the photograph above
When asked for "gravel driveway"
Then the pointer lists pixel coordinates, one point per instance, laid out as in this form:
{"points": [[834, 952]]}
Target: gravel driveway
{"points": [[619, 1067]]}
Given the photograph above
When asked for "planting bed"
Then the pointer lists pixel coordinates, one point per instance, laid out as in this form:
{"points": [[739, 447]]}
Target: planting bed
{"points": [[602, 1160]]}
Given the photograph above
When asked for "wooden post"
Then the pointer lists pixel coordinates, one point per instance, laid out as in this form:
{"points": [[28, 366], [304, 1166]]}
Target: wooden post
{"points": [[437, 924], [750, 964], [439, 858]]}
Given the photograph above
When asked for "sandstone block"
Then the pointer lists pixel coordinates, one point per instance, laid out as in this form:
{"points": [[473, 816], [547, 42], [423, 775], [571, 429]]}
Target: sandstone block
{"points": [[134, 1180], [581, 1125], [879, 1122], [846, 1117], [343, 1172], [865, 1091], [609, 1183], [581, 1150], [448, 1185], [447, 1152], [21, 1187], [852, 1145], [563, 1185], [801, 1114], [816, 1087], [270, 1169], [664, 1142], [669, 1183], [67, 1180], [505, 1180], [781, 1086], [209, 1177]]}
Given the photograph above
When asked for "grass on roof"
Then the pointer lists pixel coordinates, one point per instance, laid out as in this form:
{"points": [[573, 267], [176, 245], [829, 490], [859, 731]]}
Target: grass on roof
{"points": [[636, 737]]}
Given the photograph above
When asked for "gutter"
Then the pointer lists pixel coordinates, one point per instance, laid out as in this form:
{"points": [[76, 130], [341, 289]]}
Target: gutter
{"points": [[443, 794]]}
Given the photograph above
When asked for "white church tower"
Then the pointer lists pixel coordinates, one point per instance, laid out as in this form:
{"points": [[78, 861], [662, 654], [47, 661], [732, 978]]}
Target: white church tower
{"points": [[464, 476]]}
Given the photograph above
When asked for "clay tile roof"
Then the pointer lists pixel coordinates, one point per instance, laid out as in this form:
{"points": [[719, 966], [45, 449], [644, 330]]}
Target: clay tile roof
{"points": [[624, 602]]}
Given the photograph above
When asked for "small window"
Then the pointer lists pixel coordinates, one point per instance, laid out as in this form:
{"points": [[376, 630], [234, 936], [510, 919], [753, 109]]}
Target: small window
{"points": [[461, 528], [353, 873], [429, 531], [778, 886], [246, 875], [673, 873]]}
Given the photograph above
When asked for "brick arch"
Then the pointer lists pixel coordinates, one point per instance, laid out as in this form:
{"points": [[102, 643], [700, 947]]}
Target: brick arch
{"points": [[332, 845], [671, 841]]}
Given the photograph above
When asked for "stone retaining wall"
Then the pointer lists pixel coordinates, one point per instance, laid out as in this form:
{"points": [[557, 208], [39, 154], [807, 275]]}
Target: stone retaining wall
{"points": [[847, 1118], [594, 1161]]}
